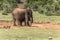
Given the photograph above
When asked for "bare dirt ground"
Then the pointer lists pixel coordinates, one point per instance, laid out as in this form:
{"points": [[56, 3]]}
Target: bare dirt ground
{"points": [[9, 24]]}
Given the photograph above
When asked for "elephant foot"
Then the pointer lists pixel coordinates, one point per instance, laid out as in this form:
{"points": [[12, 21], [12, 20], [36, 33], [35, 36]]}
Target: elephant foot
{"points": [[14, 25], [20, 24], [29, 24]]}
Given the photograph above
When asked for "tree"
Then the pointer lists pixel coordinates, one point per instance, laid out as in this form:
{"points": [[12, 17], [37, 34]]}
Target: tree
{"points": [[43, 6], [48, 7]]}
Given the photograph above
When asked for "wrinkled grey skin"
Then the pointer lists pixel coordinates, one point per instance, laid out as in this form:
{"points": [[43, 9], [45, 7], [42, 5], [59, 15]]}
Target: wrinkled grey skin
{"points": [[22, 15]]}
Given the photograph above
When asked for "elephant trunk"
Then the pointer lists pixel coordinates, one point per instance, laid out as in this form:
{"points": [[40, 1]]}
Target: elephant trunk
{"points": [[26, 18], [31, 18]]}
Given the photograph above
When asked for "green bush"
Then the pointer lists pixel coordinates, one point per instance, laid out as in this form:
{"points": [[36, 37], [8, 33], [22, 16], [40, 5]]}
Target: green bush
{"points": [[4, 13]]}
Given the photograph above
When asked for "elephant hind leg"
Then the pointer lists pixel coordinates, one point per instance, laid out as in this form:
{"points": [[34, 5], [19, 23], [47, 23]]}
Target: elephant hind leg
{"points": [[14, 22]]}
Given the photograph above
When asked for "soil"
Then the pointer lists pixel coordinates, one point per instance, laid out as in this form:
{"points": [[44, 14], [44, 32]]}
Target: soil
{"points": [[9, 24]]}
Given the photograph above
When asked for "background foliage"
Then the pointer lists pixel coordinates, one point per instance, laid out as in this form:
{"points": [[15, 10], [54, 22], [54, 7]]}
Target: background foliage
{"points": [[47, 7]]}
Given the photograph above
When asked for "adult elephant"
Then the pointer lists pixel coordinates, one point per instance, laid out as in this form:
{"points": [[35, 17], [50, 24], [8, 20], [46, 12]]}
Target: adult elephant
{"points": [[22, 15]]}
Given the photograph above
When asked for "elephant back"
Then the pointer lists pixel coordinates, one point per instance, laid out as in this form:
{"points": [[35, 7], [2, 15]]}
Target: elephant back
{"points": [[18, 10]]}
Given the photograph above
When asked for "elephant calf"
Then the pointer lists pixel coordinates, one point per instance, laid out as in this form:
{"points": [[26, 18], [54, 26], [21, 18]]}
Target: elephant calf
{"points": [[22, 15]]}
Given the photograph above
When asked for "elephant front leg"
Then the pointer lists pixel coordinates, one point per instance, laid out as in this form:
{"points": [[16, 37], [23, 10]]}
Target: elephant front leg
{"points": [[29, 23], [20, 23], [26, 24]]}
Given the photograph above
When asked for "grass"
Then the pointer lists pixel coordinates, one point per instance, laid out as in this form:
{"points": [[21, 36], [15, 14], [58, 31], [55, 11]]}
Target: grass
{"points": [[6, 17], [28, 33], [43, 18], [37, 17]]}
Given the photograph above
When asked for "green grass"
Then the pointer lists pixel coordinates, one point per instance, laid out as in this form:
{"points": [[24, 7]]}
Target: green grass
{"points": [[28, 33], [43, 18], [6, 17], [37, 17]]}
